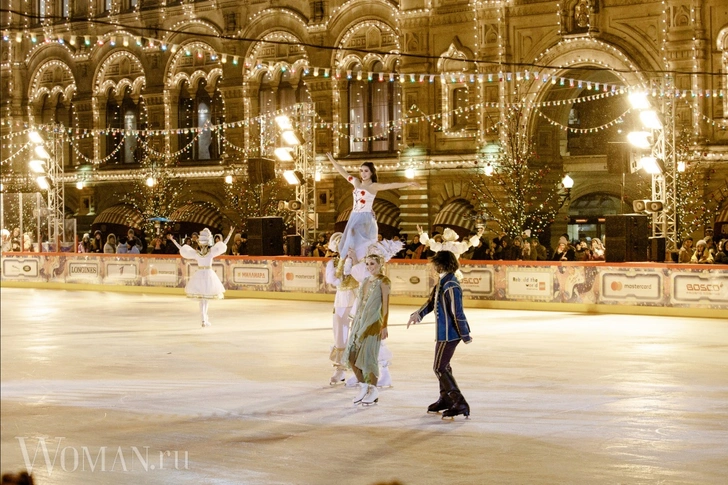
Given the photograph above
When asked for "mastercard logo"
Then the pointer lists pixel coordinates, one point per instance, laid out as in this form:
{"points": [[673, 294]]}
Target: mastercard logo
{"points": [[616, 286], [289, 276]]}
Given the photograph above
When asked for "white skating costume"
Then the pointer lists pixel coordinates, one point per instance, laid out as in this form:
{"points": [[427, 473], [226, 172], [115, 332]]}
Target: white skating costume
{"points": [[204, 284], [346, 279], [450, 243], [361, 229]]}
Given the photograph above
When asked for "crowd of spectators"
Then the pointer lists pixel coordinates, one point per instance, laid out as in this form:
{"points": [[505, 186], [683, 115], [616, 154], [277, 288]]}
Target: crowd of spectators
{"points": [[500, 248]]}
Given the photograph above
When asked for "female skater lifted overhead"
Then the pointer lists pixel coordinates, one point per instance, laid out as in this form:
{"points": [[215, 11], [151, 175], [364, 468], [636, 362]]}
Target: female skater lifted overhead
{"points": [[361, 229]]}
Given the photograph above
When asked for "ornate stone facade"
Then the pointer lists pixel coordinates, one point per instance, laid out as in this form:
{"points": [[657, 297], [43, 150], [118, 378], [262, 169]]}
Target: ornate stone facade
{"points": [[421, 84]]}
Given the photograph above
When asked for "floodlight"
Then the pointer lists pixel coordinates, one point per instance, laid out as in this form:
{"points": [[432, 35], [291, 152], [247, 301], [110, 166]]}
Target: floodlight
{"points": [[79, 185], [42, 152], [284, 154], [292, 137], [650, 119], [228, 179], [651, 165], [35, 137], [409, 173], [640, 139], [43, 182], [37, 166], [293, 177], [638, 100], [284, 122], [151, 181]]}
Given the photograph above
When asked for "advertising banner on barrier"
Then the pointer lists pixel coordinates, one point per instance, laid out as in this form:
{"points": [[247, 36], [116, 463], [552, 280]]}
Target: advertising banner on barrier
{"points": [[645, 287], [121, 272], [162, 273], [250, 274], [409, 280], [693, 288], [300, 277], [477, 281], [530, 284], [21, 268], [88, 271]]}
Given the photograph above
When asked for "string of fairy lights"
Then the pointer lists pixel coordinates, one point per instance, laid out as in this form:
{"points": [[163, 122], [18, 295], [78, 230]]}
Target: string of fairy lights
{"points": [[505, 77]]}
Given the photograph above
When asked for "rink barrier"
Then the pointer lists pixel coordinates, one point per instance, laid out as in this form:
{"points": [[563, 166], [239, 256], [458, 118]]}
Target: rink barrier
{"points": [[594, 287]]}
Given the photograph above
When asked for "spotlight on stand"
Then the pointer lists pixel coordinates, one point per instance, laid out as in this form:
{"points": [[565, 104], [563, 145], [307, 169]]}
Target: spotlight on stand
{"points": [[37, 166], [284, 154], [640, 139], [652, 165], [292, 137], [293, 177], [43, 182]]}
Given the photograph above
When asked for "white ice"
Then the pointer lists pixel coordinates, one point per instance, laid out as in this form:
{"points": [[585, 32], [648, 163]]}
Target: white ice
{"points": [[555, 397]]}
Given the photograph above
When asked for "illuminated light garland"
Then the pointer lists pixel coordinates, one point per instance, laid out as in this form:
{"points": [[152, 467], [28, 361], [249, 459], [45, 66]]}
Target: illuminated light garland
{"points": [[619, 119], [721, 124], [16, 154], [98, 161]]}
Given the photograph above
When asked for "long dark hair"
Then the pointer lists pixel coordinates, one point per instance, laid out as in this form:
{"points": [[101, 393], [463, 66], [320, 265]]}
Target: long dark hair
{"points": [[372, 169]]}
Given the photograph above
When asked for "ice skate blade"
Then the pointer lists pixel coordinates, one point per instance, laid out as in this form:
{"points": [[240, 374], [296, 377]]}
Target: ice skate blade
{"points": [[333, 383], [452, 418], [367, 404]]}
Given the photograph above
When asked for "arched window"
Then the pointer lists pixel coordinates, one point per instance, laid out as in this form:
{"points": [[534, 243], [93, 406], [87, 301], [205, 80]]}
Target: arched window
{"points": [[122, 123], [197, 117], [114, 125], [374, 109]]}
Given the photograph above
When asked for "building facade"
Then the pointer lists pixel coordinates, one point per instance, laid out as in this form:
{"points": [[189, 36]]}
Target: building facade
{"points": [[189, 90]]}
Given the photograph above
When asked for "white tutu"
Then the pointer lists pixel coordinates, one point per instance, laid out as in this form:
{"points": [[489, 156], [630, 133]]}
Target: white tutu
{"points": [[361, 232], [205, 284]]}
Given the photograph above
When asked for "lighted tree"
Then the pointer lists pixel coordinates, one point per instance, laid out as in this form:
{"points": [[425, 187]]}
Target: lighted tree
{"points": [[518, 194], [158, 192]]}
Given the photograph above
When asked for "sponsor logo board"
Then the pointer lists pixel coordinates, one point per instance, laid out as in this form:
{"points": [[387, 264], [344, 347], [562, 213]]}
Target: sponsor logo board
{"points": [[20, 268], [696, 288], [121, 271], [477, 281], [300, 277], [623, 286], [408, 280], [251, 275], [162, 273], [83, 271], [529, 284]]}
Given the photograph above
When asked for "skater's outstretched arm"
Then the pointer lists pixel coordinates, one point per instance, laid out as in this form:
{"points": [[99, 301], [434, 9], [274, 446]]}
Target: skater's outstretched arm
{"points": [[341, 169], [376, 187], [232, 228]]}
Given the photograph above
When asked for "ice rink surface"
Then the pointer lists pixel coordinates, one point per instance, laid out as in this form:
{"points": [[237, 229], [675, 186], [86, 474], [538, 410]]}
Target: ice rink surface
{"points": [[112, 388]]}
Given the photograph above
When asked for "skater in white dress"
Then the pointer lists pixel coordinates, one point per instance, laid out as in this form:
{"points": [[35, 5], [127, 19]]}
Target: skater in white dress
{"points": [[361, 228], [204, 285]]}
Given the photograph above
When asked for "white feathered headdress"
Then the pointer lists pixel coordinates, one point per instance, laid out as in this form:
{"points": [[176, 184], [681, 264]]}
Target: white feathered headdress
{"points": [[385, 249], [449, 242]]}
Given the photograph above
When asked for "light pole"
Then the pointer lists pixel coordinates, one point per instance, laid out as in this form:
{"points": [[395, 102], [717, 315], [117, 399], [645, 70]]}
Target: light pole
{"points": [[48, 168], [297, 134], [658, 139]]}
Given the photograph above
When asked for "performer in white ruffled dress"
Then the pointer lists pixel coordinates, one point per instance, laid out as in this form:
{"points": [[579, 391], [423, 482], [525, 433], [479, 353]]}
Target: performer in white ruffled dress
{"points": [[346, 280], [204, 284], [361, 228], [450, 243]]}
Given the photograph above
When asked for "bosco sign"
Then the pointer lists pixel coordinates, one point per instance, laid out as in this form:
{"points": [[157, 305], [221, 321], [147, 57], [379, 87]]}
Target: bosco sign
{"points": [[477, 281], [697, 288]]}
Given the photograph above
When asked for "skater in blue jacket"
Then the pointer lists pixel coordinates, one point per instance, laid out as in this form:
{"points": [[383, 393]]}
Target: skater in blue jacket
{"points": [[446, 300]]}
